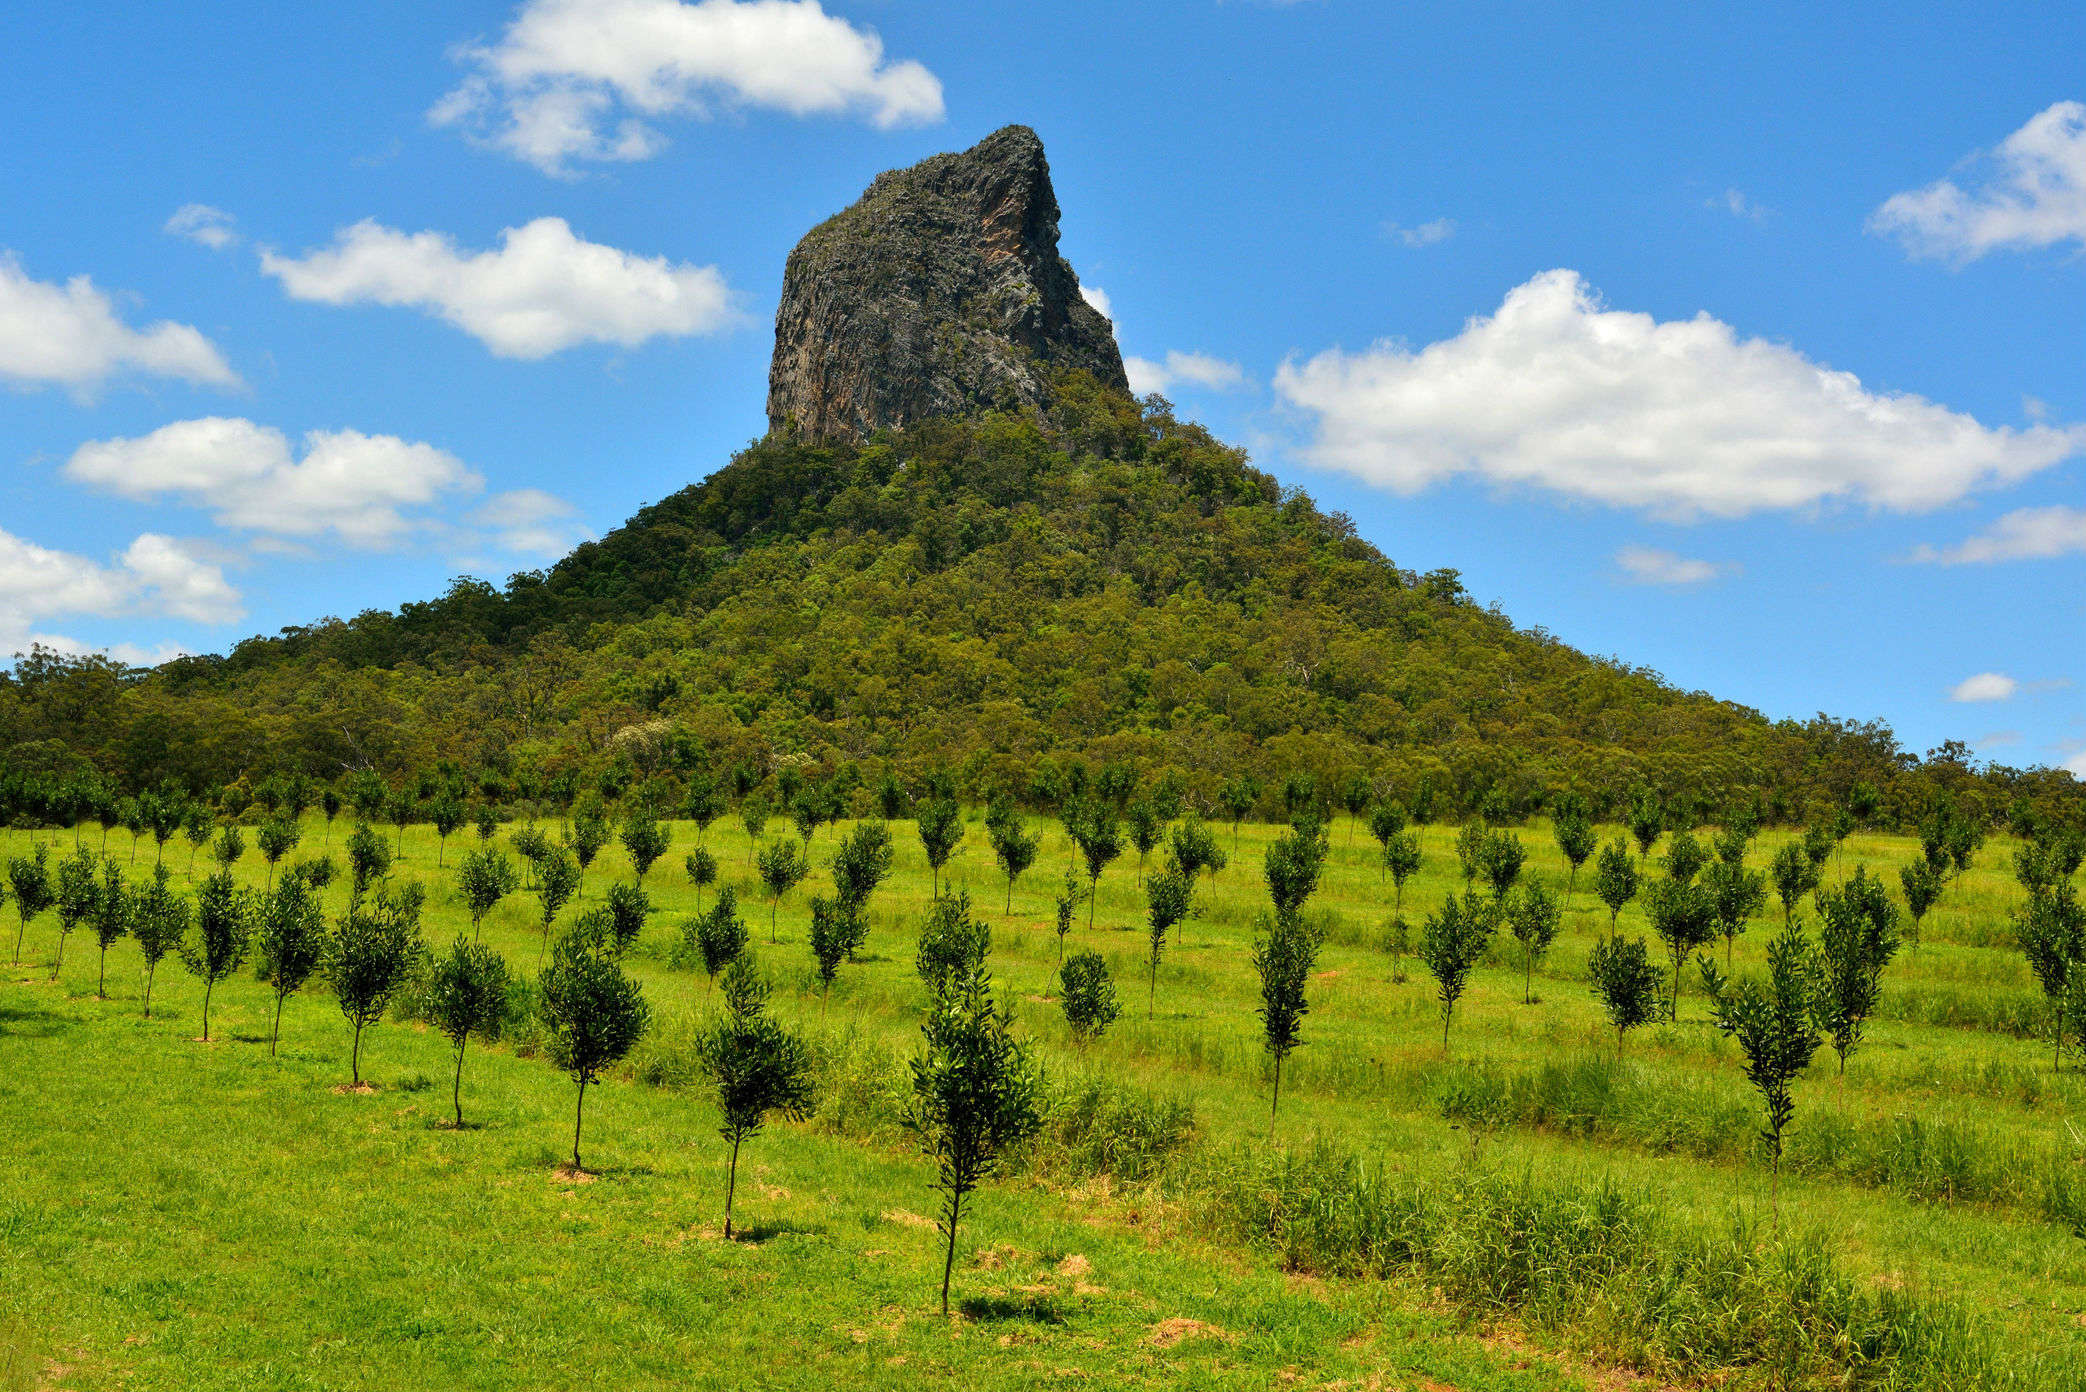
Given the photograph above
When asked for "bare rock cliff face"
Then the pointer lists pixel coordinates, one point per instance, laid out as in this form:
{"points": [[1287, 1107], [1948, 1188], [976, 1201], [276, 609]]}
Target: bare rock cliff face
{"points": [[940, 292]]}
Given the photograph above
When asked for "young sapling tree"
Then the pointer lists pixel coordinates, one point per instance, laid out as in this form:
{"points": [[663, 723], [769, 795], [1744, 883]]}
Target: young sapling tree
{"points": [[1452, 942], [719, 937], [1615, 880], [1532, 916], [159, 922], [289, 942], [940, 824], [701, 866], [1015, 849], [594, 1015], [466, 995], [1772, 1023], [1858, 938], [1401, 856], [483, 878], [115, 912], [975, 1097], [79, 891], [1626, 982], [224, 924], [557, 880], [756, 1066], [644, 839], [1167, 902], [371, 955], [782, 868], [1086, 993], [1284, 952]]}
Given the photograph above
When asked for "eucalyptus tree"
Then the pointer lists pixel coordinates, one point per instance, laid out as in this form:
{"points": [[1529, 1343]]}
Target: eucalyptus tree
{"points": [[1168, 900], [224, 926], [370, 956], [1858, 938], [1473, 847], [1086, 993], [755, 1065], [831, 938], [702, 872], [892, 801], [1452, 942], [1615, 879], [976, 1097], [115, 912], [645, 839], [484, 877], [1401, 856], [485, 822], [557, 880], [1773, 1024], [1014, 848], [703, 802], [164, 813], [1626, 982], [330, 804], [1355, 796], [1795, 874], [159, 922], [782, 869], [75, 891], [466, 995], [1284, 952], [132, 813], [593, 1013], [719, 937], [289, 942], [940, 824], [1532, 916], [1099, 837]]}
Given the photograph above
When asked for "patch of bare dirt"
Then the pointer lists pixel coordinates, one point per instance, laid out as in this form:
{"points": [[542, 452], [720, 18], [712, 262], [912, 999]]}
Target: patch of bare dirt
{"points": [[905, 1219], [1169, 1332]]}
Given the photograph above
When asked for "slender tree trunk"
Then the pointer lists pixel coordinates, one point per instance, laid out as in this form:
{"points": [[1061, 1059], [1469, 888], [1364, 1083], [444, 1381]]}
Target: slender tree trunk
{"points": [[101, 975], [275, 1036], [151, 970], [578, 1111], [1528, 976], [731, 1184], [18, 932], [1151, 990], [355, 1058], [1445, 1016], [773, 905], [207, 984], [949, 1261], [1093, 892], [456, 1090], [1275, 1107], [1010, 894], [58, 957]]}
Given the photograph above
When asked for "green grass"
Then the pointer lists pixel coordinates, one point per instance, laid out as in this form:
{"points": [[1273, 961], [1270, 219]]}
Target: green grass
{"points": [[174, 1214]]}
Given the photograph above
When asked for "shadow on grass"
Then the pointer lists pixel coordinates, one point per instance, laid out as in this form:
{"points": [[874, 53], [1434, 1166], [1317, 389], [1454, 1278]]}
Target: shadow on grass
{"points": [[32, 1022], [756, 1234], [1001, 1309]]}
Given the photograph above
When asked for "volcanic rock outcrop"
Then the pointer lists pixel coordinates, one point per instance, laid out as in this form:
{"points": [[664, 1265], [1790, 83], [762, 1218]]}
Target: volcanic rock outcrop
{"points": [[939, 292]]}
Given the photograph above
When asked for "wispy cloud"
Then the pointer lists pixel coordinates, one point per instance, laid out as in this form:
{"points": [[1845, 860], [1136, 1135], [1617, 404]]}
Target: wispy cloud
{"points": [[2028, 193], [1425, 235]]}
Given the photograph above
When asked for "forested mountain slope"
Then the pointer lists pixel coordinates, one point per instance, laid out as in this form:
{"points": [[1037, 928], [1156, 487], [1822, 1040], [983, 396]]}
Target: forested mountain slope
{"points": [[979, 594]]}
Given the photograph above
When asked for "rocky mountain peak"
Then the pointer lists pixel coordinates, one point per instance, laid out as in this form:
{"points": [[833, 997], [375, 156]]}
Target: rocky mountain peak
{"points": [[940, 291]]}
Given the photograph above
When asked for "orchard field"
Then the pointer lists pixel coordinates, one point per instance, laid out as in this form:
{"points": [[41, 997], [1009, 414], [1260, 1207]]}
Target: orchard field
{"points": [[1530, 1207]]}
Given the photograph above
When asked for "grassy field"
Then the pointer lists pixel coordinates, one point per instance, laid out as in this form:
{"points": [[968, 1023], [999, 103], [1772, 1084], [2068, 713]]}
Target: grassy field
{"points": [[180, 1215]]}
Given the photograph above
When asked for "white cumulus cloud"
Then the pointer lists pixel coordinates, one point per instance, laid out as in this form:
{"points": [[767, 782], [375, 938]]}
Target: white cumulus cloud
{"points": [[544, 290], [1425, 235], [587, 79], [529, 521], [156, 576], [2025, 534], [1648, 565], [356, 487], [1098, 298], [2076, 766], [70, 335], [1684, 417], [2031, 192], [1985, 686], [204, 225], [1183, 369]]}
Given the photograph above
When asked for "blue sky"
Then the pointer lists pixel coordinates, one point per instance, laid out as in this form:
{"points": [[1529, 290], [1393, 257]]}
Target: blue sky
{"points": [[1742, 346]]}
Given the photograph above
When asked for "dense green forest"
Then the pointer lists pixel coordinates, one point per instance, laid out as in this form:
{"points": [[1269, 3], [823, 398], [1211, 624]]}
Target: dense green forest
{"points": [[997, 597]]}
